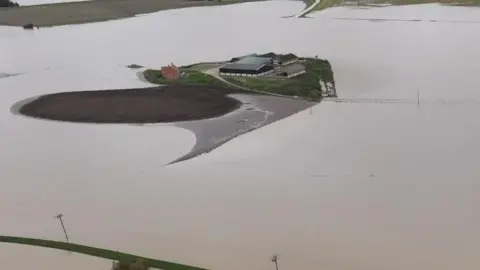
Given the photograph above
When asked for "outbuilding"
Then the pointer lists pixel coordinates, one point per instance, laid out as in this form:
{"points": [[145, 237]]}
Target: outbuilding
{"points": [[287, 59], [292, 70], [248, 66], [281, 59], [238, 58]]}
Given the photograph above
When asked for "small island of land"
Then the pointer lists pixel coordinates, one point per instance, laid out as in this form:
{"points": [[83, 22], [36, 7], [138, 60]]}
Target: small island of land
{"points": [[318, 5], [283, 75], [216, 101]]}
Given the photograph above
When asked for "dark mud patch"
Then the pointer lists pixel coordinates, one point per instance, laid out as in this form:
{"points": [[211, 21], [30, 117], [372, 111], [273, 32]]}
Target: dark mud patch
{"points": [[133, 106]]}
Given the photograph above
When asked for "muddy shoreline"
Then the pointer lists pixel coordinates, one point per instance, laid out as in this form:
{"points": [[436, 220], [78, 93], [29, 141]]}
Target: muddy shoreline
{"points": [[95, 11]]}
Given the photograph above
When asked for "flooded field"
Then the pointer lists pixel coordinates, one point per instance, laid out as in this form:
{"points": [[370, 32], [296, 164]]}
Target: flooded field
{"points": [[344, 186]]}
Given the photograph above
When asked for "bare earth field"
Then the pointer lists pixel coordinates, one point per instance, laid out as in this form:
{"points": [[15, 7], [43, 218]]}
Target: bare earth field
{"points": [[94, 11], [144, 105]]}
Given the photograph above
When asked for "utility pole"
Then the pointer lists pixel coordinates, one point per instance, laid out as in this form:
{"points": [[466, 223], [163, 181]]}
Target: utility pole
{"points": [[418, 97], [59, 217], [275, 260]]}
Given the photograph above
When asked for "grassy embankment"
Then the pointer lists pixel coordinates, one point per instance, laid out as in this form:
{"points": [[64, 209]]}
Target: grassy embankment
{"points": [[192, 77], [306, 85], [415, 2], [67, 13], [124, 258], [324, 4]]}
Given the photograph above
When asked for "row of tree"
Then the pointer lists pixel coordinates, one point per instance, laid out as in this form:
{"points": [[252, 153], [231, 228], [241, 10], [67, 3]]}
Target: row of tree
{"points": [[8, 3]]}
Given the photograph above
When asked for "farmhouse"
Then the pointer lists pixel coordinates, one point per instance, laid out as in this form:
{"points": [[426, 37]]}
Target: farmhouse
{"points": [[171, 72]]}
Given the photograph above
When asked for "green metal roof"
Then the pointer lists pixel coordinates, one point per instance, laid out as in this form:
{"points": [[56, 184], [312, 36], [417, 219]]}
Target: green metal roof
{"points": [[254, 60], [248, 55]]}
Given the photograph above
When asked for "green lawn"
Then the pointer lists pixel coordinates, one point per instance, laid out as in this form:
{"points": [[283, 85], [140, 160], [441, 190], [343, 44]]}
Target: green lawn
{"points": [[193, 77], [324, 4], [97, 252], [415, 2], [305, 86]]}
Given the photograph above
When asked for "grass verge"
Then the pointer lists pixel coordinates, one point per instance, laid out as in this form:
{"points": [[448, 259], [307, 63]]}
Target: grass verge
{"points": [[324, 4], [416, 2], [191, 77], [97, 252], [67, 13], [305, 86]]}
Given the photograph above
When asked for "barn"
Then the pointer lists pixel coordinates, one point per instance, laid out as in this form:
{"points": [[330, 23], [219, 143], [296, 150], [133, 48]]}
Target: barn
{"points": [[287, 59], [248, 66], [281, 59], [291, 70]]}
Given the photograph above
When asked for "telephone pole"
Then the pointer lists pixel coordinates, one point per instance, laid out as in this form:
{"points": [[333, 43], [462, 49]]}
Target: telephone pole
{"points": [[59, 217], [275, 260], [418, 96]]}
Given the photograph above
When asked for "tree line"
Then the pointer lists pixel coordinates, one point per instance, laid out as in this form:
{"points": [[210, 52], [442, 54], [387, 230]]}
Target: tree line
{"points": [[8, 3]]}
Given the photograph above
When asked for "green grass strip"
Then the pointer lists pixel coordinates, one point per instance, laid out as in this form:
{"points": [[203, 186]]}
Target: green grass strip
{"points": [[97, 252]]}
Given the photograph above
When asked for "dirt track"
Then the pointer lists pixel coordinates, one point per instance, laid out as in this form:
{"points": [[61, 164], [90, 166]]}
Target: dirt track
{"points": [[94, 11], [145, 105]]}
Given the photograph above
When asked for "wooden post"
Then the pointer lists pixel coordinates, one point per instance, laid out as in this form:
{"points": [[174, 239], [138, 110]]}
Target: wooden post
{"points": [[275, 260]]}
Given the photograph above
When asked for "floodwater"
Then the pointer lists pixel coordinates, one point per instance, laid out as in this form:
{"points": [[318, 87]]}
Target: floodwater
{"points": [[344, 186]]}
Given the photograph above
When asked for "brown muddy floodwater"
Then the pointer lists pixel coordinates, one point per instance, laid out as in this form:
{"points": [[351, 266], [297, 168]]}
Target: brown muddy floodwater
{"points": [[360, 185]]}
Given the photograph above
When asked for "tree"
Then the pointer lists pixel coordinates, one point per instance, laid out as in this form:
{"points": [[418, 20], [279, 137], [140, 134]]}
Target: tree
{"points": [[8, 3]]}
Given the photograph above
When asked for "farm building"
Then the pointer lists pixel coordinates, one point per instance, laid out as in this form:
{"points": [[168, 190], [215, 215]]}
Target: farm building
{"points": [[235, 59], [291, 70], [248, 66], [281, 59], [171, 72], [287, 59]]}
